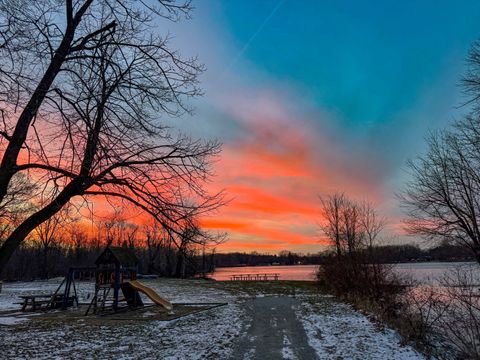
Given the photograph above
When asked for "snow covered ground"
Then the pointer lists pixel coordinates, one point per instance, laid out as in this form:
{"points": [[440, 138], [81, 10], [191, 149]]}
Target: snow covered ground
{"points": [[336, 331], [198, 336], [333, 330]]}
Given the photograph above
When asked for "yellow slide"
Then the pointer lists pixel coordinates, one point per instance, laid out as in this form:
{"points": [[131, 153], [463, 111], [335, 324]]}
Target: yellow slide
{"points": [[151, 294]]}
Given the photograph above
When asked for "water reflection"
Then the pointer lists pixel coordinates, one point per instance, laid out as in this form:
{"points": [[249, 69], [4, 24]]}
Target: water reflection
{"points": [[426, 273], [293, 272], [434, 272]]}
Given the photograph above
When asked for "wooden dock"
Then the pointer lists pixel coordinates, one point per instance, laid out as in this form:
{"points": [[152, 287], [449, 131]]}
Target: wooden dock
{"points": [[254, 277]]}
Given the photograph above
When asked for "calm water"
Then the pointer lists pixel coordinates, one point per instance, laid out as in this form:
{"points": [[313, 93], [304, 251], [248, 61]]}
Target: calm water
{"points": [[433, 272], [293, 272], [429, 272]]}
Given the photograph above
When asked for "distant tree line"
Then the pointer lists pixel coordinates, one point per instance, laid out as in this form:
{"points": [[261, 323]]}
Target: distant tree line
{"points": [[387, 254], [32, 262], [257, 259], [39, 260], [63, 241]]}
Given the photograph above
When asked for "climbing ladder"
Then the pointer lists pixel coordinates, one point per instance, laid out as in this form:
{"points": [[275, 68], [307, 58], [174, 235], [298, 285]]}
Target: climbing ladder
{"points": [[99, 300]]}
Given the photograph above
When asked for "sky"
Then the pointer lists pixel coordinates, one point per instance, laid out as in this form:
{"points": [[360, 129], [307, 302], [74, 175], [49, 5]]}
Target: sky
{"points": [[315, 97]]}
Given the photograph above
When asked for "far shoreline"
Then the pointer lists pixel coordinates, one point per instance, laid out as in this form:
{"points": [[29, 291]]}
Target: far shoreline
{"points": [[393, 263]]}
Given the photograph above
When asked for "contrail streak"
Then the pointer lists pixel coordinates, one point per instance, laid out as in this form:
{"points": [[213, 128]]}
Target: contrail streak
{"points": [[255, 34]]}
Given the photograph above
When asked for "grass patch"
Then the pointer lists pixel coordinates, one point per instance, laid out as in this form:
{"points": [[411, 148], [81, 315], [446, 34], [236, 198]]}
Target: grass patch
{"points": [[277, 287]]}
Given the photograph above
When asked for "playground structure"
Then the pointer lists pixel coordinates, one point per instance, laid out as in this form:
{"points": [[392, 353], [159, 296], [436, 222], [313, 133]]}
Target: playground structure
{"points": [[151, 294], [60, 299], [117, 271], [116, 286]]}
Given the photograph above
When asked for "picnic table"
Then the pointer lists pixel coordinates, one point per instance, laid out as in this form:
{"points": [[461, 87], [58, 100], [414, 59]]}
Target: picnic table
{"points": [[35, 301], [255, 277], [51, 301]]}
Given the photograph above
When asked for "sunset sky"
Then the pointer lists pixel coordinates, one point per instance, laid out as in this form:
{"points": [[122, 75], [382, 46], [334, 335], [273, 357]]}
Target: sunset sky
{"points": [[314, 97]]}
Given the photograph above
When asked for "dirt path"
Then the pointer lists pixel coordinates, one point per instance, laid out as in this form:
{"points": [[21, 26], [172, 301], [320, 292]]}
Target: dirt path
{"points": [[274, 332]]}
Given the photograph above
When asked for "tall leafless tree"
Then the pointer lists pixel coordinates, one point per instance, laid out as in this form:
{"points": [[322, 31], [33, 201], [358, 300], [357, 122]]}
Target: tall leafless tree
{"points": [[354, 229], [442, 199], [350, 225], [332, 209], [156, 239], [98, 110], [42, 39], [49, 234], [371, 224]]}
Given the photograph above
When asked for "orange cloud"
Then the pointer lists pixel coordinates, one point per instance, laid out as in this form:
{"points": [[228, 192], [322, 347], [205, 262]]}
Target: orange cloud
{"points": [[274, 174], [273, 171]]}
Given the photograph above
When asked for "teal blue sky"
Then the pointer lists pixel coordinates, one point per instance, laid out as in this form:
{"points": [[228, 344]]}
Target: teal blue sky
{"points": [[365, 60], [322, 96]]}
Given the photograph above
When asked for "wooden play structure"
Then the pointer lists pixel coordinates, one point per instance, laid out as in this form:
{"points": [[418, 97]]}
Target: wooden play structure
{"points": [[116, 272], [117, 294], [151, 294], [64, 297], [116, 286]]}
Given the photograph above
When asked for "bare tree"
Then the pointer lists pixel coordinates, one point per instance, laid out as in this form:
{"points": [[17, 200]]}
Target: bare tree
{"points": [[442, 199], [78, 239], [332, 210], [345, 222], [371, 223], [49, 234], [117, 231], [42, 39], [106, 139], [352, 229], [355, 270], [190, 241], [157, 240]]}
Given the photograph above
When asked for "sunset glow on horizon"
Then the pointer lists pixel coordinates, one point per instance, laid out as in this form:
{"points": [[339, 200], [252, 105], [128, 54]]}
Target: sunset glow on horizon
{"points": [[311, 100], [274, 177], [314, 99]]}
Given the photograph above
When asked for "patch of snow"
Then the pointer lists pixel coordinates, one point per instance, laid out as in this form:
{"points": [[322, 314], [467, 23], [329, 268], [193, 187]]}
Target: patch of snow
{"points": [[335, 331], [287, 351], [11, 320], [208, 334], [250, 354]]}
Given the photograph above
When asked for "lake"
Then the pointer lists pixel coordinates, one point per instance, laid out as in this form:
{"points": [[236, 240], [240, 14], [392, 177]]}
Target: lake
{"points": [[429, 272], [433, 272], [293, 272]]}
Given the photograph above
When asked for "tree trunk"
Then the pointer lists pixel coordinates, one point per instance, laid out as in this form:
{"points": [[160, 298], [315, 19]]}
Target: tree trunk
{"points": [[22, 231], [181, 265], [44, 271], [10, 156], [476, 251]]}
